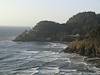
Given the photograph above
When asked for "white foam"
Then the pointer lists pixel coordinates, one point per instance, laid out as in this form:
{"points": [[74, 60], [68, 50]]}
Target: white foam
{"points": [[56, 45], [30, 52], [68, 70], [31, 71], [49, 70]]}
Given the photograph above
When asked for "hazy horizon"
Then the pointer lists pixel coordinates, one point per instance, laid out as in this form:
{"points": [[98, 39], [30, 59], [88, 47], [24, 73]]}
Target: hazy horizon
{"points": [[29, 12]]}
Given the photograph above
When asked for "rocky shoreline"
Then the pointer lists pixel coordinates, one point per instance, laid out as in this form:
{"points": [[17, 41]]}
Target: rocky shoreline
{"points": [[94, 60], [88, 46]]}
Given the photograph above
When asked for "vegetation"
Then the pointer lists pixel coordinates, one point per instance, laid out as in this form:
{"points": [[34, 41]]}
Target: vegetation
{"points": [[89, 45], [43, 31], [80, 23]]}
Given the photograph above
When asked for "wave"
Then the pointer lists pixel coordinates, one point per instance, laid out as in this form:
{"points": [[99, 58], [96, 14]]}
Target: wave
{"points": [[56, 45], [38, 58]]}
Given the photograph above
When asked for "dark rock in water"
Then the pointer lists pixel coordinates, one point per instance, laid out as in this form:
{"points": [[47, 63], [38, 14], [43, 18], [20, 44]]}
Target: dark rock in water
{"points": [[95, 61], [68, 50]]}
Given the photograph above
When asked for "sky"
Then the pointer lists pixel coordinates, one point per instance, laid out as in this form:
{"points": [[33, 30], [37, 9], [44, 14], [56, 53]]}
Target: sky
{"points": [[30, 12]]}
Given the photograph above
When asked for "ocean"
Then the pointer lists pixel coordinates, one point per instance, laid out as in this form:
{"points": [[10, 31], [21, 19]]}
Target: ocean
{"points": [[38, 58]]}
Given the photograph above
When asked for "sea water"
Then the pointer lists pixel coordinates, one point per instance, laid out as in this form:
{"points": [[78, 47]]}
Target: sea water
{"points": [[40, 58]]}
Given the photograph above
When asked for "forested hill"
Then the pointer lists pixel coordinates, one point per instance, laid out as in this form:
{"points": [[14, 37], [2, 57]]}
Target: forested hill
{"points": [[43, 31], [49, 26], [81, 23]]}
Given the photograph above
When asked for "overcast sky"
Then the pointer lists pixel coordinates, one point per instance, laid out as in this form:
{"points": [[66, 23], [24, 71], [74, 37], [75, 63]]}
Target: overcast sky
{"points": [[29, 12]]}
